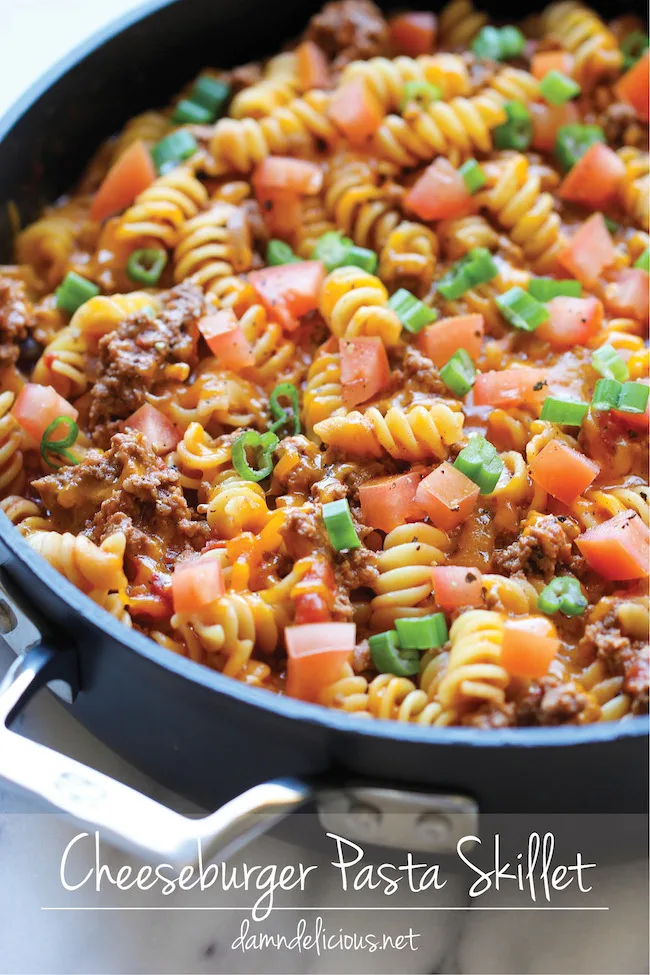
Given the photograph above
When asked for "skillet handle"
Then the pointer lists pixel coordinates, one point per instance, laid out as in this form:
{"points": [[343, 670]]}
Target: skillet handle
{"points": [[133, 821]]}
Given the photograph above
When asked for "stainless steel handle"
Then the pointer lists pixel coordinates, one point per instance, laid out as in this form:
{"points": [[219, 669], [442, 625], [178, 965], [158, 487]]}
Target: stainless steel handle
{"points": [[133, 821]]}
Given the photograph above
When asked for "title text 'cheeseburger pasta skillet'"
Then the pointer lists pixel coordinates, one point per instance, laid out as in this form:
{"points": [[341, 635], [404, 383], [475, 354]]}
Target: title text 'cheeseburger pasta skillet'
{"points": [[324, 410]]}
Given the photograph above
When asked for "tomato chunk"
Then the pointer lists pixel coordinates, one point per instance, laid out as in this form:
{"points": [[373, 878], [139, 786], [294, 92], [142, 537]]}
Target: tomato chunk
{"points": [[457, 586], [387, 502], [547, 61], [448, 496], [572, 321], [413, 33], [132, 173], [225, 339], [290, 291], [38, 406], [196, 583], [595, 178], [313, 69], [562, 471], [364, 369], [589, 251], [355, 110], [156, 427], [285, 174], [619, 548], [316, 653], [440, 193], [529, 646], [547, 119], [510, 387], [633, 87], [440, 340], [628, 294]]}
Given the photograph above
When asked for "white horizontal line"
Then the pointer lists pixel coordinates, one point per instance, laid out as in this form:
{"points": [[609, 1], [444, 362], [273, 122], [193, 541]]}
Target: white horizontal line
{"points": [[304, 910]]}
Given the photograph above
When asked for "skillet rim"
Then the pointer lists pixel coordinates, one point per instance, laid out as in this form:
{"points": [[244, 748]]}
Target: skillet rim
{"points": [[268, 702]]}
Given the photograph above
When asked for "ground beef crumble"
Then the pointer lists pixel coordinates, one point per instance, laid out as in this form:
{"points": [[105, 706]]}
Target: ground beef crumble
{"points": [[15, 314], [132, 358], [128, 489], [623, 654], [544, 543], [349, 30], [552, 701]]}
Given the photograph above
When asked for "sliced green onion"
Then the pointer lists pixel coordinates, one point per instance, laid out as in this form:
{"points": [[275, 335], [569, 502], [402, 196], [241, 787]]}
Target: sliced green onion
{"points": [[609, 364], [265, 444], [517, 131], [521, 309], [611, 225], [565, 412], [422, 92], [74, 292], [389, 658], [422, 632], [59, 447], [412, 313], [643, 262], [572, 141], [477, 267], [277, 252], [339, 525], [633, 398], [480, 462], [173, 149], [545, 289], [498, 44], [473, 175], [634, 47], [563, 595], [556, 88], [211, 93], [459, 373], [283, 416], [361, 257], [188, 112], [606, 395], [146, 265], [332, 249]]}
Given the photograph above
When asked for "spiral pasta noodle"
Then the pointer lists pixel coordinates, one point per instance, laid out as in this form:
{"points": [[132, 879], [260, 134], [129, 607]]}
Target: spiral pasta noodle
{"points": [[474, 672], [160, 211], [386, 77], [580, 31], [208, 250], [408, 257], [86, 565], [354, 302], [405, 582], [323, 395], [356, 202], [460, 22], [11, 441]]}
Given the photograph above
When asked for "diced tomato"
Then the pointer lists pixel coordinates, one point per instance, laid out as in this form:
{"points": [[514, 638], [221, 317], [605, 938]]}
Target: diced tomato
{"points": [[285, 174], [387, 502], [448, 496], [510, 387], [156, 427], [633, 87], [312, 608], [572, 321], [595, 178], [281, 212], [628, 294], [316, 653], [196, 583], [562, 471], [440, 193], [38, 406], [313, 69], [529, 646], [314, 594], [457, 586], [225, 339], [356, 111], [364, 369], [132, 173], [635, 421], [589, 251], [440, 340], [547, 119], [413, 33], [289, 291], [546, 61], [619, 548]]}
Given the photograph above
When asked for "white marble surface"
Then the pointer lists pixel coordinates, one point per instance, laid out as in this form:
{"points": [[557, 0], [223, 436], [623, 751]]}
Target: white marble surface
{"points": [[33, 34]]}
